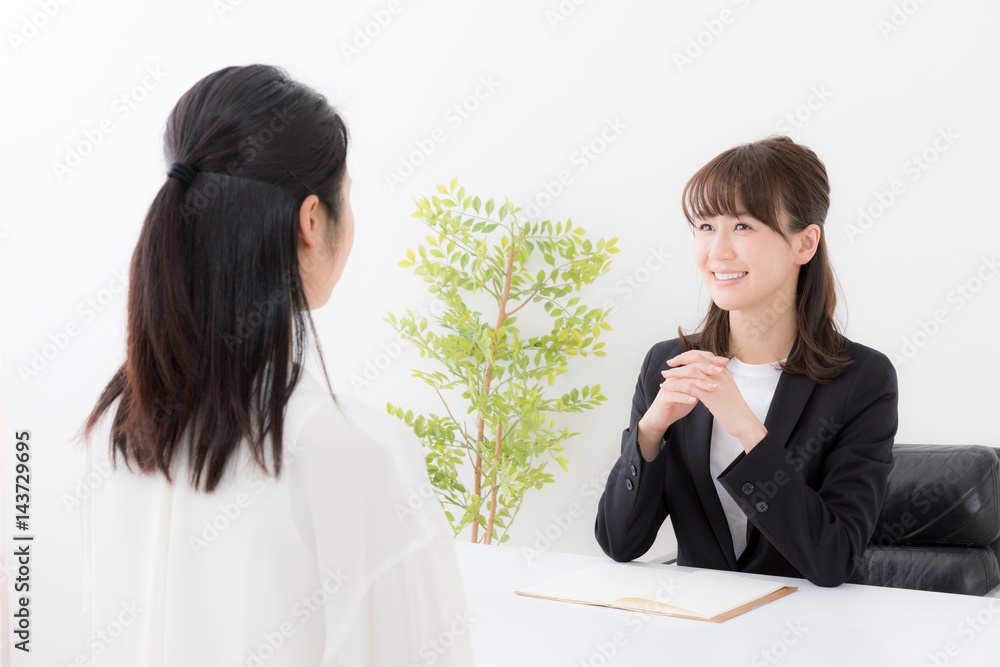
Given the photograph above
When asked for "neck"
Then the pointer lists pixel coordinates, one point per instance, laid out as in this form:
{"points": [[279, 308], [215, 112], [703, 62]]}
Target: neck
{"points": [[763, 335]]}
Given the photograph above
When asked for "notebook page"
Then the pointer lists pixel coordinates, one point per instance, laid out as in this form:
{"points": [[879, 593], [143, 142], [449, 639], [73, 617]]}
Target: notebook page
{"points": [[710, 592], [604, 583]]}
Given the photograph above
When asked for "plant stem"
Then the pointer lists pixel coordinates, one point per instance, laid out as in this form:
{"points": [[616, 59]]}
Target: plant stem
{"points": [[493, 485], [501, 316]]}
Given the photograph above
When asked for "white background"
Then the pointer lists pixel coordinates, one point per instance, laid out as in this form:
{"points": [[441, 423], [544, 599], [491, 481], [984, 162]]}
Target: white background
{"points": [[880, 95]]}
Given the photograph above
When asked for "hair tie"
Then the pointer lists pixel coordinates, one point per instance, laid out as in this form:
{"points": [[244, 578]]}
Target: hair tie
{"points": [[183, 172]]}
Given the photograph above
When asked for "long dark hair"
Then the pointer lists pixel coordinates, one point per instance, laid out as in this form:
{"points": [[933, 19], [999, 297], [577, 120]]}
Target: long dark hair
{"points": [[771, 176], [215, 291]]}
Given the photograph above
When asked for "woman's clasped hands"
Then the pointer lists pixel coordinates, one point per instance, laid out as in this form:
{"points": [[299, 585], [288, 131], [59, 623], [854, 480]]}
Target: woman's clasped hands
{"points": [[698, 375]]}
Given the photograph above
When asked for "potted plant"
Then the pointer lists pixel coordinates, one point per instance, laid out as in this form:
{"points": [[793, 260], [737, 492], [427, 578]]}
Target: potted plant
{"points": [[497, 369]]}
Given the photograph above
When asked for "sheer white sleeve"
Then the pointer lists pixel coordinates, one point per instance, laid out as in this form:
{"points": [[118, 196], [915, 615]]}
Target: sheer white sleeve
{"points": [[381, 540]]}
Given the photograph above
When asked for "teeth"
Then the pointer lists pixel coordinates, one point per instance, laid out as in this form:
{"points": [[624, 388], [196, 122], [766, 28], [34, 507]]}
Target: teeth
{"points": [[729, 276]]}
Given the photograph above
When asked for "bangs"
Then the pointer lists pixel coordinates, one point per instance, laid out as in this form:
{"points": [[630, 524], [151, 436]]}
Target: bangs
{"points": [[742, 179]]}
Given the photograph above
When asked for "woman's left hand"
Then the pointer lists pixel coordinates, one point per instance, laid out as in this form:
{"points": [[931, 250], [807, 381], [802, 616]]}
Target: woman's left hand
{"points": [[724, 401]]}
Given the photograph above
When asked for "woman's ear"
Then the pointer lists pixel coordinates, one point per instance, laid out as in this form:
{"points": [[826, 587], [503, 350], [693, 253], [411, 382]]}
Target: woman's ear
{"points": [[311, 222], [807, 243]]}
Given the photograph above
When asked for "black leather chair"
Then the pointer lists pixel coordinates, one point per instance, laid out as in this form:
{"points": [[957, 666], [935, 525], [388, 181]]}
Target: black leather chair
{"points": [[939, 529]]}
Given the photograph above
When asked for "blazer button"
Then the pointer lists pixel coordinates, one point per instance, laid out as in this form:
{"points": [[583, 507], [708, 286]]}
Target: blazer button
{"points": [[762, 506], [748, 488], [628, 484], [633, 471]]}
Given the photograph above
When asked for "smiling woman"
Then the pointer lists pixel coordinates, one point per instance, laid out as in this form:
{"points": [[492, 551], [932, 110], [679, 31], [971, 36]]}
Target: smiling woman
{"points": [[766, 436]]}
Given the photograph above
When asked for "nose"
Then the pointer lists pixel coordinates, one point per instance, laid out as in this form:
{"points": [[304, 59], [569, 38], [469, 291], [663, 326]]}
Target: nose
{"points": [[721, 247]]}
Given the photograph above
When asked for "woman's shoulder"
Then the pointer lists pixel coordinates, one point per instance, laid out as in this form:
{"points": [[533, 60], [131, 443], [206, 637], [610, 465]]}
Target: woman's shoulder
{"points": [[348, 429], [873, 365], [859, 352]]}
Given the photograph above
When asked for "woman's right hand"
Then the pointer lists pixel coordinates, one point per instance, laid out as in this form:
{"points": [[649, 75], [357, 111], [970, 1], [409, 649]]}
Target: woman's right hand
{"points": [[675, 400]]}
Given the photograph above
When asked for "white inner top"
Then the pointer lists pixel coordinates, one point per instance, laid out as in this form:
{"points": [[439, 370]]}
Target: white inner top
{"points": [[756, 383]]}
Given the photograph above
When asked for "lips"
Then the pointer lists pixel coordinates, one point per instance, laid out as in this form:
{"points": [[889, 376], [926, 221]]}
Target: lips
{"points": [[728, 276]]}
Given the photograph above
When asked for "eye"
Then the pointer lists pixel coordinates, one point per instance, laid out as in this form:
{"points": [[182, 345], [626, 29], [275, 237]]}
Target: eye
{"points": [[738, 224], [701, 227]]}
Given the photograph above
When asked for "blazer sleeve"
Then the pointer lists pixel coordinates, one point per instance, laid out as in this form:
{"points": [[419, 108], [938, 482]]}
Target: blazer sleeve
{"points": [[824, 531], [634, 505]]}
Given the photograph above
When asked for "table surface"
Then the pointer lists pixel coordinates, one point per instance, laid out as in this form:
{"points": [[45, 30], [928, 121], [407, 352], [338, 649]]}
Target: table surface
{"points": [[849, 625]]}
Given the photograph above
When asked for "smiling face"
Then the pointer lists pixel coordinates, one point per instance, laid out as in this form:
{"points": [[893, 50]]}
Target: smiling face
{"points": [[746, 264]]}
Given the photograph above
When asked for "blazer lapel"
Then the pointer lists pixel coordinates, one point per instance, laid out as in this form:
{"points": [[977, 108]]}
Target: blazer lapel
{"points": [[697, 445], [790, 397]]}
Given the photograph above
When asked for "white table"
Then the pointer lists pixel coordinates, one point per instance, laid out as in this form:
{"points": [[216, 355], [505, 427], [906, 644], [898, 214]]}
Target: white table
{"points": [[846, 626]]}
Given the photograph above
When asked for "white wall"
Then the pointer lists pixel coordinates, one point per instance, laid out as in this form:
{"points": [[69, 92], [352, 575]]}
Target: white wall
{"points": [[867, 85]]}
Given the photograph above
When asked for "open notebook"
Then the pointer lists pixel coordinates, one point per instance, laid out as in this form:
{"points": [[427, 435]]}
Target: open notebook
{"points": [[705, 595]]}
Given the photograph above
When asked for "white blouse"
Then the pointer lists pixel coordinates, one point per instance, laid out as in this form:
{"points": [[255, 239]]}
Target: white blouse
{"points": [[756, 383], [346, 559]]}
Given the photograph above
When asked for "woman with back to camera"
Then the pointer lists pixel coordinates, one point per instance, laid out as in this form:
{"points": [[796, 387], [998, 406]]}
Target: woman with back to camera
{"points": [[767, 435], [256, 521]]}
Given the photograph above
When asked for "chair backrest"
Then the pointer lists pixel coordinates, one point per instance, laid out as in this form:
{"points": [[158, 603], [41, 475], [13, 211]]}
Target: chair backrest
{"points": [[996, 543], [939, 528]]}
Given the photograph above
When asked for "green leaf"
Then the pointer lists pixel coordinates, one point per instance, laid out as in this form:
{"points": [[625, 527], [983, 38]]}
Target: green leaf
{"points": [[475, 204], [442, 189], [489, 207], [454, 182]]}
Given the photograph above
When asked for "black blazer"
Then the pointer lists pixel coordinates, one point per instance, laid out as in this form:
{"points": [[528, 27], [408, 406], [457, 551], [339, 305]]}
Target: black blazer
{"points": [[812, 489]]}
